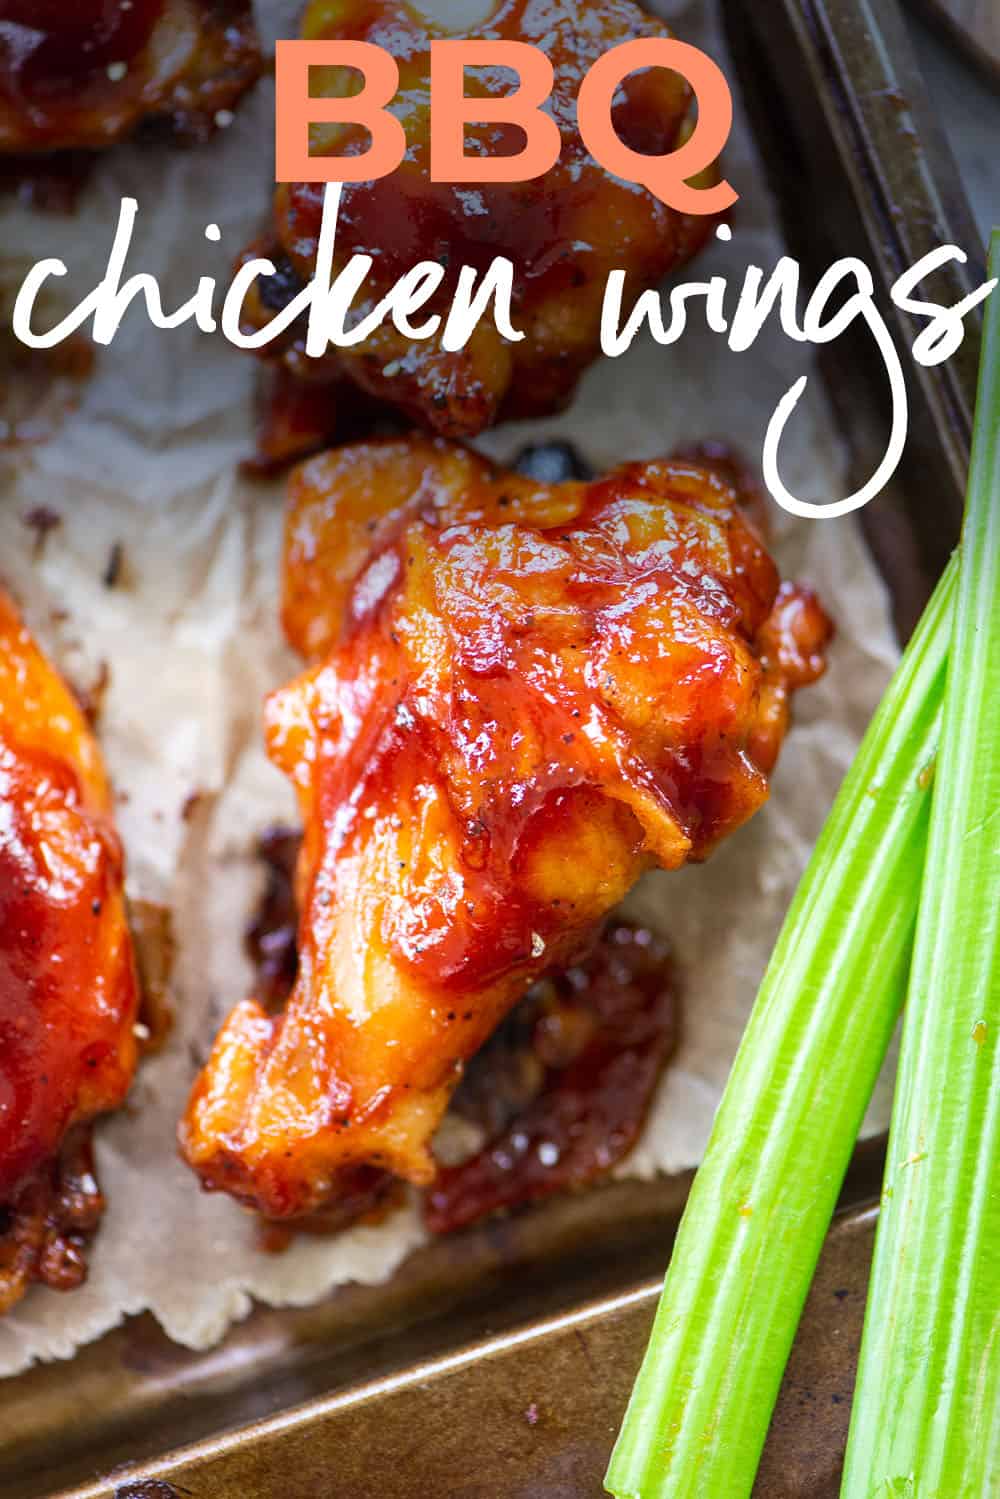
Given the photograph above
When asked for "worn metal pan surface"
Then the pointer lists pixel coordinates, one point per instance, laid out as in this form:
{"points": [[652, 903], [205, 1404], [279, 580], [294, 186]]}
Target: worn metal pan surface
{"points": [[498, 1363], [973, 24]]}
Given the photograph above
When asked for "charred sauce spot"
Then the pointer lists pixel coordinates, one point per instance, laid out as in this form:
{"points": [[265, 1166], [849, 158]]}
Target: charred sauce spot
{"points": [[149, 1488], [563, 1089], [552, 463], [91, 697], [276, 291], [297, 417], [363, 1194], [271, 937], [42, 520], [47, 184], [45, 1230], [112, 573], [155, 951]]}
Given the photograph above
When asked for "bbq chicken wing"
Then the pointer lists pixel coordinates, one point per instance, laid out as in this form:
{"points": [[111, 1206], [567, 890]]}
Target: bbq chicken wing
{"points": [[523, 696], [78, 75], [68, 989], [564, 232]]}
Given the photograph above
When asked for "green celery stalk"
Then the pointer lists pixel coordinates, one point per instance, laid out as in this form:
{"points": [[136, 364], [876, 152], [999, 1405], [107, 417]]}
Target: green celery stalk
{"points": [[926, 1420], [764, 1196]]}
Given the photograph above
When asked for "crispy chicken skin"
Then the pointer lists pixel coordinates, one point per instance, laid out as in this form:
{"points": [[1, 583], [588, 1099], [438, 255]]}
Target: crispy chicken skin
{"points": [[81, 74], [564, 232], [523, 696], [68, 993]]}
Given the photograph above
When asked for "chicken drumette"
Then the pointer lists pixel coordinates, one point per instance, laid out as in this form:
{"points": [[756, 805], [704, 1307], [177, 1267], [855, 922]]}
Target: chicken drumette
{"points": [[564, 232], [68, 992], [523, 697], [78, 75]]}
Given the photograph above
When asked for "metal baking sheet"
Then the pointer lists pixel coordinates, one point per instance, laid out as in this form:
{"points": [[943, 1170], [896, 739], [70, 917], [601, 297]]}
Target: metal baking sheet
{"points": [[499, 1362]]}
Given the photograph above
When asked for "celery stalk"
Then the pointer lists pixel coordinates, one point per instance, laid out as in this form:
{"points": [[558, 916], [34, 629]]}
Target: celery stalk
{"points": [[926, 1418], [764, 1195]]}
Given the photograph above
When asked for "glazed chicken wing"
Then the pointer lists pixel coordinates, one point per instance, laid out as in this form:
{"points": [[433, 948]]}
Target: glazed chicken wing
{"points": [[523, 697], [564, 232], [68, 990], [81, 74]]}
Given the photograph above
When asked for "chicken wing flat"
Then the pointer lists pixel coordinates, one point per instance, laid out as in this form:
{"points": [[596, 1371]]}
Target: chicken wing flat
{"points": [[78, 75], [564, 232], [68, 992], [523, 697]]}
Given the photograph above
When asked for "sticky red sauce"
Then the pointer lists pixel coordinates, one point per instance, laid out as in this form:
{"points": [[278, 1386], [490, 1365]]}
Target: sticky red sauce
{"points": [[558, 637], [47, 47], [525, 696], [75, 78], [61, 1006], [564, 233], [68, 988], [406, 218]]}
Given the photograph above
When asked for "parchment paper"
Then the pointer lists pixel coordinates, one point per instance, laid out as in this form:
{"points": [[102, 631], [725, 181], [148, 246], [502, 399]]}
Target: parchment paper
{"points": [[191, 638]]}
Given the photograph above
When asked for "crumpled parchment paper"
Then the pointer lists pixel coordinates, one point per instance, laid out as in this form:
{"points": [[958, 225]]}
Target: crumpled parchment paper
{"points": [[191, 639]]}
